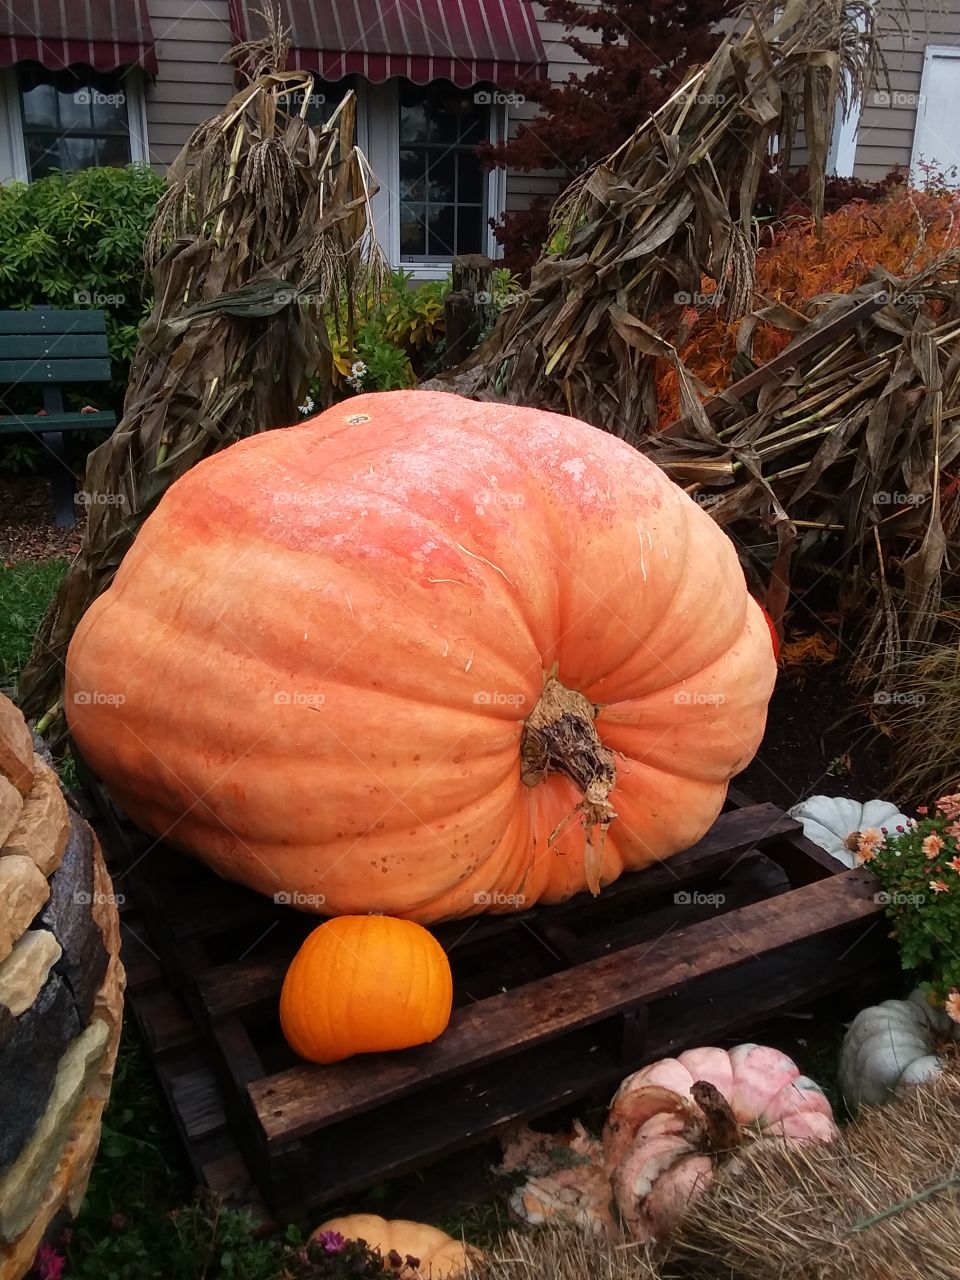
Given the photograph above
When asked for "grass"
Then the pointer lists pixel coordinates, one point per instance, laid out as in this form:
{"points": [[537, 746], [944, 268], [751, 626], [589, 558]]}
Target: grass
{"points": [[26, 589], [140, 1219]]}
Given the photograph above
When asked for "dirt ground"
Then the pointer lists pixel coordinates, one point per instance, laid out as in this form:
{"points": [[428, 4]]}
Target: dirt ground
{"points": [[819, 740], [27, 531]]}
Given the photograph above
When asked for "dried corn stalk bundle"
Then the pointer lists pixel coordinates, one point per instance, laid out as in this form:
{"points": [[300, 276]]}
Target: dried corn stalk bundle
{"points": [[633, 236], [842, 463], [265, 223]]}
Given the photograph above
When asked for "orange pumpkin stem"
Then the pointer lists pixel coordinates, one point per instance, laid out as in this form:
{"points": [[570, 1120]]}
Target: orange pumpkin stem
{"points": [[559, 737]]}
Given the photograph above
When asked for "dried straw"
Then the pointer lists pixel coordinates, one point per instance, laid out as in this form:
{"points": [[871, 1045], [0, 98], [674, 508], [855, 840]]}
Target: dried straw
{"points": [[882, 1203]]}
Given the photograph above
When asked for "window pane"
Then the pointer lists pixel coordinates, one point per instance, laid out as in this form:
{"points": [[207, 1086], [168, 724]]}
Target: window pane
{"points": [[472, 179], [73, 120], [416, 124], [412, 229], [440, 240], [43, 155], [470, 236], [440, 126], [412, 182], [76, 107], [77, 153], [40, 107], [113, 151], [441, 177], [109, 111]]}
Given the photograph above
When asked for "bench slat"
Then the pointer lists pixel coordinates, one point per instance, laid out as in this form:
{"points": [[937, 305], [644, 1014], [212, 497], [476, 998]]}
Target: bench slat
{"points": [[46, 320], [59, 346], [37, 425], [53, 371]]}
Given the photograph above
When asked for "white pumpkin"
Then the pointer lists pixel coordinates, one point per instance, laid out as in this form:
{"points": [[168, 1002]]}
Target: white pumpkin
{"points": [[890, 1044], [834, 822]]}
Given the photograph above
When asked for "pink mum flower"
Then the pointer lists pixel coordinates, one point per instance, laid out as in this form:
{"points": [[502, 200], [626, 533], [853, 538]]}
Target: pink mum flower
{"points": [[932, 844], [953, 830], [939, 886], [952, 1005], [49, 1264], [955, 864], [949, 805]]}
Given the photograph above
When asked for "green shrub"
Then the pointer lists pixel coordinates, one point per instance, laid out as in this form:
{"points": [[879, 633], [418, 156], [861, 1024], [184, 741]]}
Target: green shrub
{"points": [[76, 241], [399, 338]]}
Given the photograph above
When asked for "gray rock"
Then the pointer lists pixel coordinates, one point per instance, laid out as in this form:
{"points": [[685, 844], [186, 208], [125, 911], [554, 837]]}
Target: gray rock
{"points": [[28, 1064], [67, 915]]}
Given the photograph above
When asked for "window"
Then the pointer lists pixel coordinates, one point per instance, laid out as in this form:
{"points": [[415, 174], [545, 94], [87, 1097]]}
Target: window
{"points": [[443, 190], [74, 119], [326, 97]]}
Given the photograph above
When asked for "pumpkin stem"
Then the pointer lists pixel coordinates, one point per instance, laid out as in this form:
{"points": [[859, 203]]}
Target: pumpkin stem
{"points": [[559, 737], [720, 1125]]}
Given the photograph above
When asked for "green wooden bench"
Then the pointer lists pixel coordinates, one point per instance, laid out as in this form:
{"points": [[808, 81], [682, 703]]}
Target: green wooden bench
{"points": [[48, 348]]}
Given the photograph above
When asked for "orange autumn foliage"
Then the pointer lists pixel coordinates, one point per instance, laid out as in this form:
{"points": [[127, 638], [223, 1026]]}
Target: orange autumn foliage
{"points": [[902, 234]]}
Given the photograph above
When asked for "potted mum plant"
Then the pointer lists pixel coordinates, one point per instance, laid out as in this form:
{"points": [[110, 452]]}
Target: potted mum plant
{"points": [[918, 867]]}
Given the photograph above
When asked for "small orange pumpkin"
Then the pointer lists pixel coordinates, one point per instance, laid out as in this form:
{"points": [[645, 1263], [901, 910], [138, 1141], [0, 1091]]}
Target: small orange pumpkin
{"points": [[365, 984]]}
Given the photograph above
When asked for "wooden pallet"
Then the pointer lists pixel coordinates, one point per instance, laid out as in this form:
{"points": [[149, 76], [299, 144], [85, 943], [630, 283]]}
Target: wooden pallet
{"points": [[552, 1005]]}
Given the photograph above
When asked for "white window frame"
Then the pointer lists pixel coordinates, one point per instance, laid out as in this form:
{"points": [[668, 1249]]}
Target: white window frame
{"points": [[842, 155], [383, 133], [133, 86], [930, 52]]}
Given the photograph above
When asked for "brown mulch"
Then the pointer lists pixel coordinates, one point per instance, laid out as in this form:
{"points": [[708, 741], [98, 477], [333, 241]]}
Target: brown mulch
{"points": [[819, 741], [27, 531]]}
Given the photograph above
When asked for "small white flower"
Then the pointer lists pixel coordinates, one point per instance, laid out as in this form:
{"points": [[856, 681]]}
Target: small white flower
{"points": [[307, 406]]}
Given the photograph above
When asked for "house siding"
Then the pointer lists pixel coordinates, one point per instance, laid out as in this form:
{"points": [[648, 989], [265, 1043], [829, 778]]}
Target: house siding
{"points": [[562, 63], [885, 137], [194, 81]]}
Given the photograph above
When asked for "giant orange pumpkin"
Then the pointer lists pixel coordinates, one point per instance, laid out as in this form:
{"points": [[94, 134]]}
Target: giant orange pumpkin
{"points": [[423, 656]]}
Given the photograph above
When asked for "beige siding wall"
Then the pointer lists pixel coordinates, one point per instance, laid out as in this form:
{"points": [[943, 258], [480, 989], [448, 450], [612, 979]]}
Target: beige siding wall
{"points": [[885, 137], [192, 37], [563, 62]]}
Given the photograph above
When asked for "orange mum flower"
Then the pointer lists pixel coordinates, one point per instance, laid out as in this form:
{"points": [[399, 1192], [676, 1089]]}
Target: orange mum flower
{"points": [[939, 886], [955, 864], [932, 845], [952, 1005]]}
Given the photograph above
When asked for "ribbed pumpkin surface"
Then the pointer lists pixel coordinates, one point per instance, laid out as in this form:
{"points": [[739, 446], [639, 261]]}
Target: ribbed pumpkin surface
{"points": [[315, 664], [365, 984]]}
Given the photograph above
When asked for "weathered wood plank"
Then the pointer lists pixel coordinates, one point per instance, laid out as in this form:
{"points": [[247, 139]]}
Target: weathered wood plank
{"points": [[400, 1137], [231, 988], [298, 1101]]}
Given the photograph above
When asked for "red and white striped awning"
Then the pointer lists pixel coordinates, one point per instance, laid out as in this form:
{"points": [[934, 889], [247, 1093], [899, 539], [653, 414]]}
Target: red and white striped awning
{"points": [[465, 41], [104, 34]]}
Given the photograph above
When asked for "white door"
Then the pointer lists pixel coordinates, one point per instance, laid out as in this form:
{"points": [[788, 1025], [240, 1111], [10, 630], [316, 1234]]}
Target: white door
{"points": [[936, 140]]}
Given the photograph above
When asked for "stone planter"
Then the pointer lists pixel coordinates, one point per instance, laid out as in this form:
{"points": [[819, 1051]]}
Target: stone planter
{"points": [[61, 997]]}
